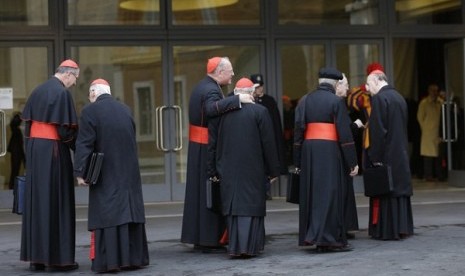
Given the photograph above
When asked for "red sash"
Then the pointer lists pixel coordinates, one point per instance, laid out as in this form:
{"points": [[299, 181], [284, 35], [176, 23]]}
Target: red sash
{"points": [[322, 131], [198, 134], [44, 130]]}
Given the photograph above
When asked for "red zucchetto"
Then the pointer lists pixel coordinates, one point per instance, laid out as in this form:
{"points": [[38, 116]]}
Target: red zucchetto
{"points": [[69, 63], [374, 67], [212, 64], [100, 81]]}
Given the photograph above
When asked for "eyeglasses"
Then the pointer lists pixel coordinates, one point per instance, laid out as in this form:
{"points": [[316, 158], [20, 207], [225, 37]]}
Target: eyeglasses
{"points": [[74, 74]]}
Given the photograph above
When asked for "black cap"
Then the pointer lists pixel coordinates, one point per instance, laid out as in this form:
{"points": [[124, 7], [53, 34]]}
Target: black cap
{"points": [[330, 73], [257, 78]]}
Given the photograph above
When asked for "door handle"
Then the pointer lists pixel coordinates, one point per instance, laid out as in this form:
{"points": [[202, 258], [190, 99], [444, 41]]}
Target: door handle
{"points": [[160, 142], [446, 119], [178, 113], [456, 132], [3, 129]]}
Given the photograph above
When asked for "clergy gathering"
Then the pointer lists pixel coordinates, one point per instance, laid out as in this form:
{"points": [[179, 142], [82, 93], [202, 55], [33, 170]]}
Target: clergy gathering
{"points": [[232, 144], [232, 137]]}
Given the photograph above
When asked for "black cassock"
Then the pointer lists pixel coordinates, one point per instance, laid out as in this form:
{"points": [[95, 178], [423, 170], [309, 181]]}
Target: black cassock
{"points": [[48, 227], [201, 226], [116, 208], [323, 163], [245, 156], [391, 215]]}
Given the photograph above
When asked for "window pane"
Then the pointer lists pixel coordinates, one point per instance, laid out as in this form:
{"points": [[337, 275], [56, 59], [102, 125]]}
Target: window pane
{"points": [[352, 59], [190, 62], [299, 68], [190, 67], [317, 12], [23, 68], [220, 12], [429, 12], [23, 12], [134, 74], [299, 74], [113, 12]]}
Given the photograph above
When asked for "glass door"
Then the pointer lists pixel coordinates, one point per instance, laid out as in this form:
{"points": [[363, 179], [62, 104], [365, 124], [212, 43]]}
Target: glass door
{"points": [[452, 132], [136, 77], [300, 63], [23, 67], [189, 67]]}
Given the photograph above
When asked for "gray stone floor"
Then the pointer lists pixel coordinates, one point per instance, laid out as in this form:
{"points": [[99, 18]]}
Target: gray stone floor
{"points": [[437, 248]]}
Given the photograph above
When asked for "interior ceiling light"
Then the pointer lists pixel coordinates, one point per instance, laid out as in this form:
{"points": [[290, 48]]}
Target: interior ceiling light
{"points": [[410, 5], [177, 5]]}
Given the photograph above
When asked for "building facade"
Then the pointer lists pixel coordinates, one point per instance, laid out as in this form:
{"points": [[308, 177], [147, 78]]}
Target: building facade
{"points": [[154, 51]]}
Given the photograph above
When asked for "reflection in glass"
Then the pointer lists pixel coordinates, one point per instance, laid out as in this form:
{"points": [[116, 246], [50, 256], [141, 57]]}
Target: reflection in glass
{"points": [[190, 67], [147, 12], [299, 68], [317, 12], [429, 11], [299, 73], [23, 12], [110, 12], [454, 110], [134, 74], [222, 12], [352, 59], [23, 68]]}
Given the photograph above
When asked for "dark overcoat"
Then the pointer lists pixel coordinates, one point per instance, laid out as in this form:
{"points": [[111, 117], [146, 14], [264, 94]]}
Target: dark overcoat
{"points": [[245, 156], [200, 225], [107, 126], [323, 188], [388, 114]]}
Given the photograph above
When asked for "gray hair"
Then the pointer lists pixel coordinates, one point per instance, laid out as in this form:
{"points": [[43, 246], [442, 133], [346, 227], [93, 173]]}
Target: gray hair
{"points": [[245, 90], [329, 81], [380, 76], [66, 69], [100, 89], [221, 65]]}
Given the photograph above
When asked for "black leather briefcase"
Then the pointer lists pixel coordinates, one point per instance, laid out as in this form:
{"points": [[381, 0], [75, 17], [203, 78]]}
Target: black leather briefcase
{"points": [[213, 196], [293, 185], [93, 168], [378, 181], [18, 194]]}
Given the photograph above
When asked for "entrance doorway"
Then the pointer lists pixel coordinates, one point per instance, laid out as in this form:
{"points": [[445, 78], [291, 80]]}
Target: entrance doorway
{"points": [[417, 64]]}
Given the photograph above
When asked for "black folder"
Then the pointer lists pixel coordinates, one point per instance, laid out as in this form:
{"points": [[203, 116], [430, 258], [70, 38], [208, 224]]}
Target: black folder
{"points": [[18, 194], [93, 168]]}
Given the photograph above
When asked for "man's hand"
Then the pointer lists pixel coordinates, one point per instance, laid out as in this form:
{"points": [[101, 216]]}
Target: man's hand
{"points": [[81, 181], [354, 171], [246, 98]]}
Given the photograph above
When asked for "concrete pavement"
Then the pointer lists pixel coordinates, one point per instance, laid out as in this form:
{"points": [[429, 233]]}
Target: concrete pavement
{"points": [[437, 248]]}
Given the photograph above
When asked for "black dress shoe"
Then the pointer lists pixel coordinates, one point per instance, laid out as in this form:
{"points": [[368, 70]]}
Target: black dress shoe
{"points": [[350, 236], [58, 268], [344, 248], [210, 249], [36, 267], [332, 249]]}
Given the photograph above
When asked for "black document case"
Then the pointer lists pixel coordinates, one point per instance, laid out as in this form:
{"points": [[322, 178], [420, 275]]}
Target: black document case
{"points": [[93, 168]]}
